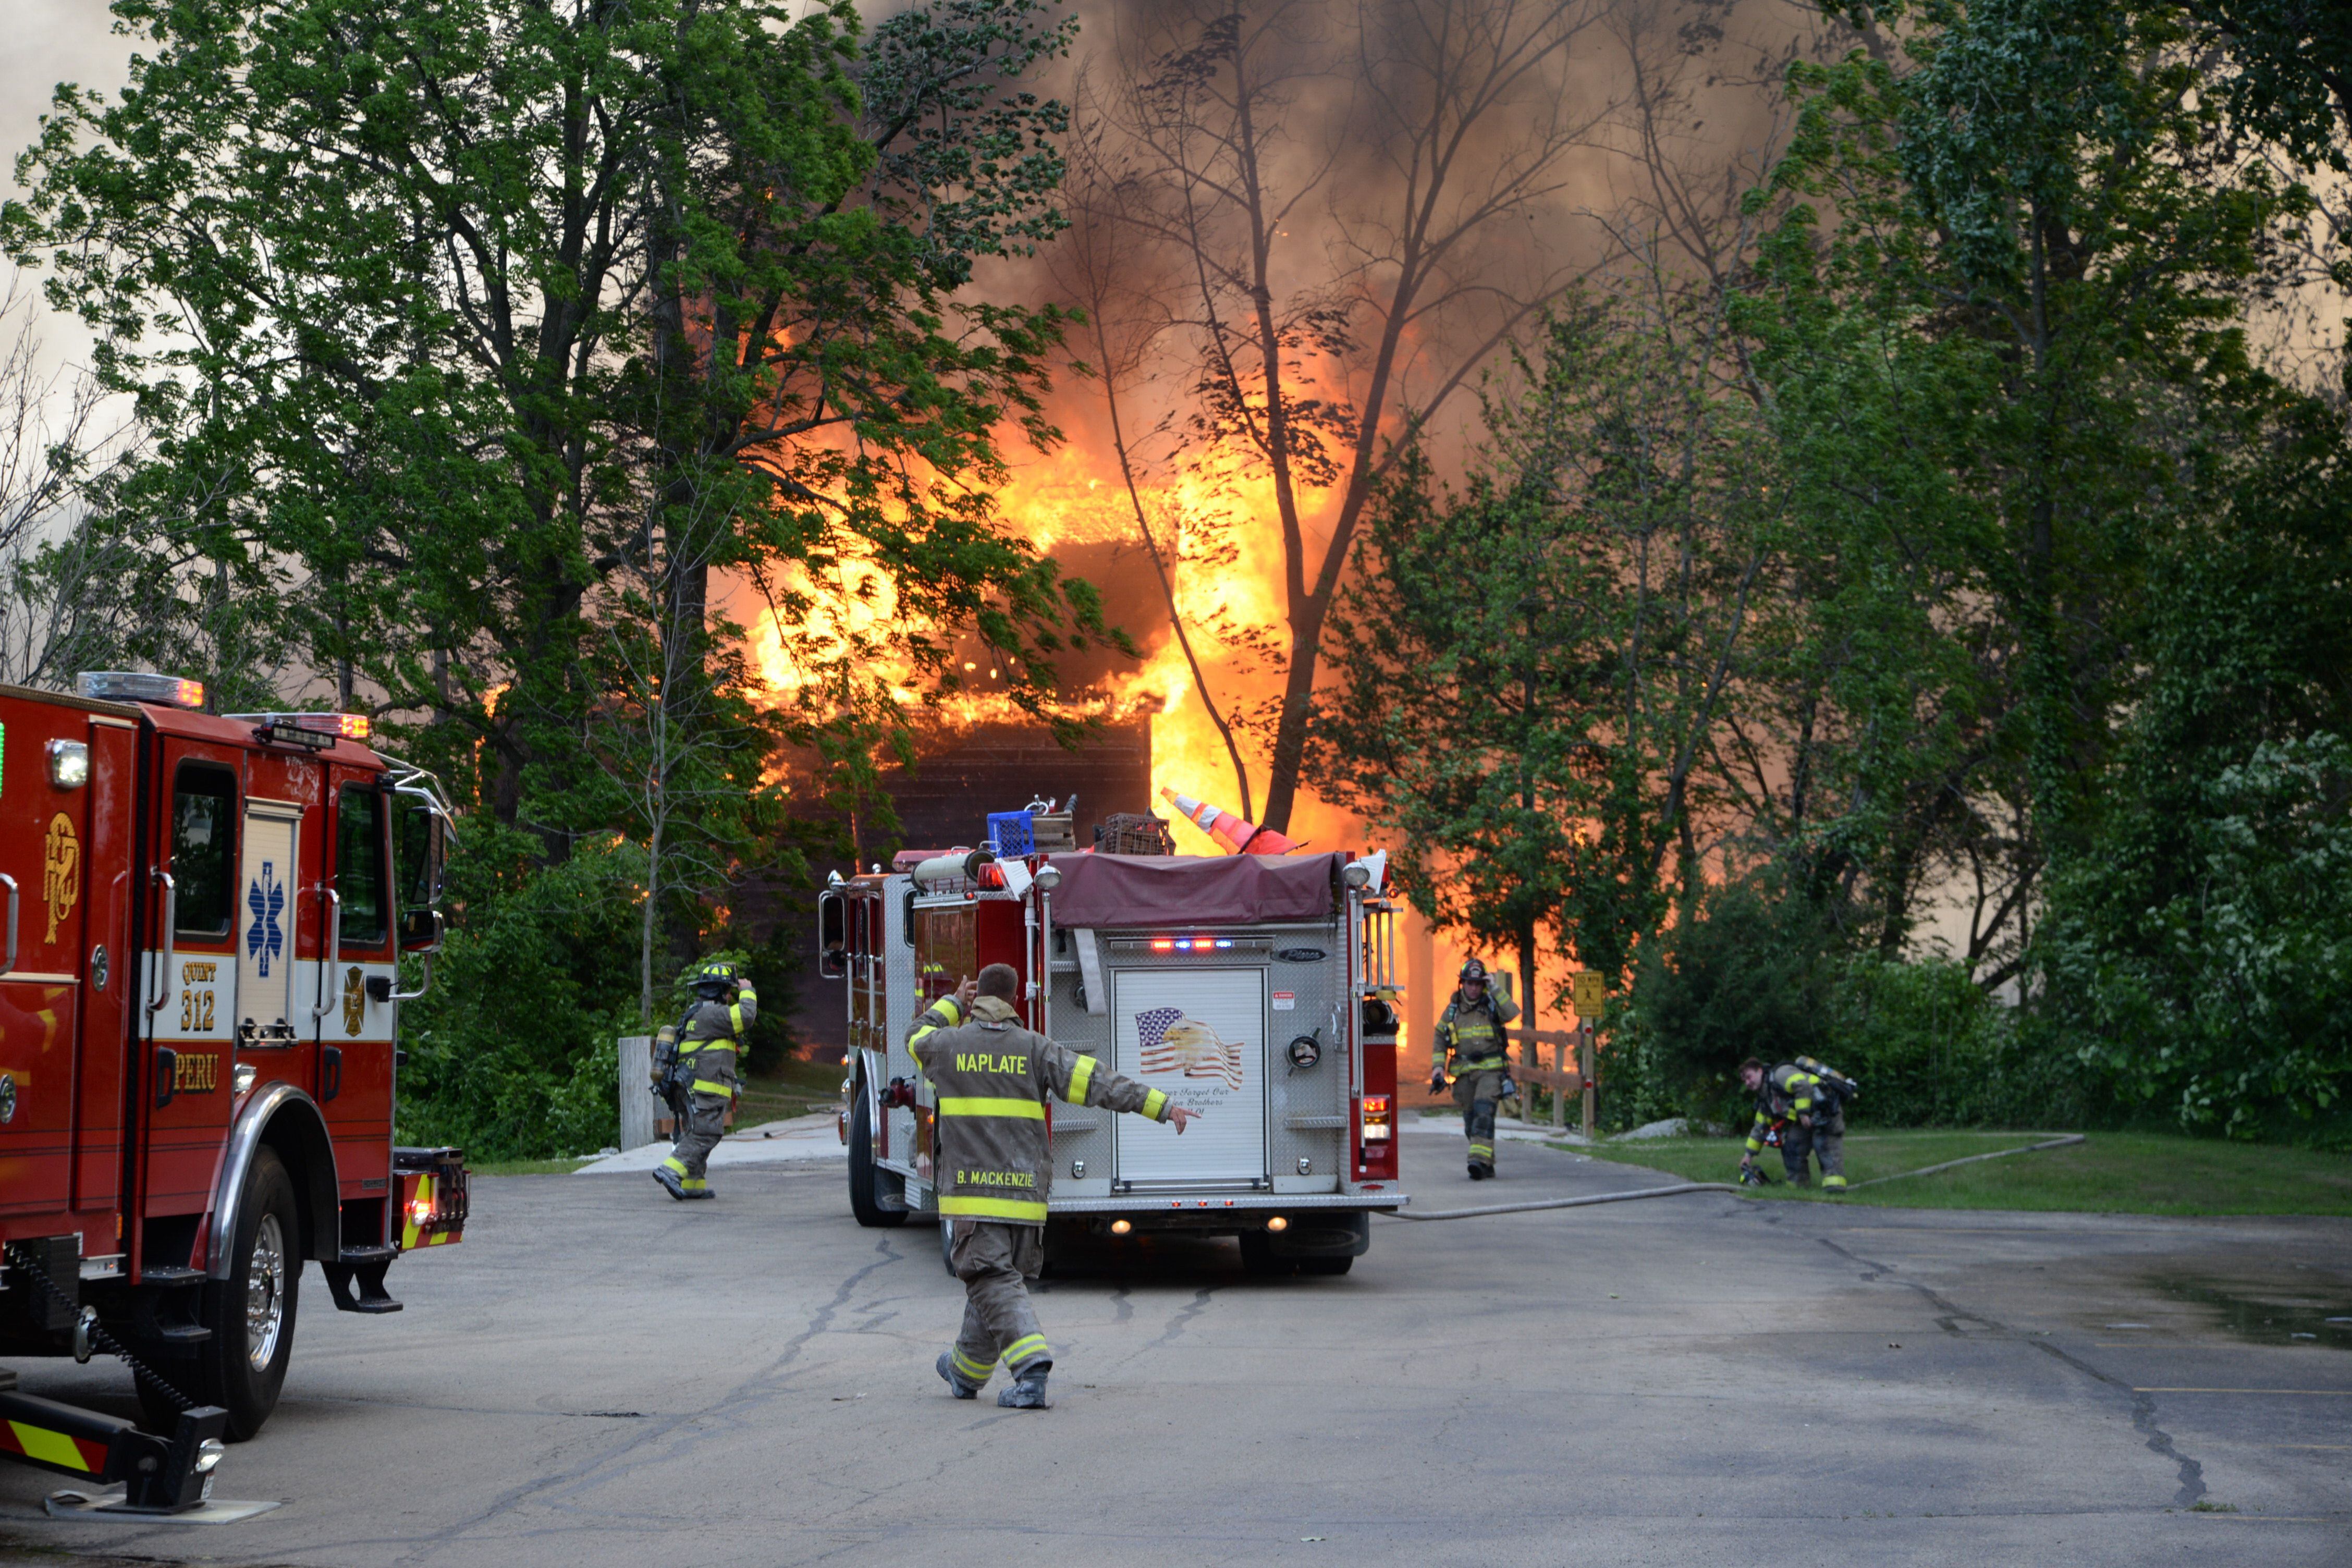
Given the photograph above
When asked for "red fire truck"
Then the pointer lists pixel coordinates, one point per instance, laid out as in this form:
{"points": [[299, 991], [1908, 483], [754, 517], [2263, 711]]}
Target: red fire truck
{"points": [[1254, 989], [198, 1046]]}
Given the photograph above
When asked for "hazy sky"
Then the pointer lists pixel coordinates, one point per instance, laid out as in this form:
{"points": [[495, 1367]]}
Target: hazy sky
{"points": [[47, 42]]}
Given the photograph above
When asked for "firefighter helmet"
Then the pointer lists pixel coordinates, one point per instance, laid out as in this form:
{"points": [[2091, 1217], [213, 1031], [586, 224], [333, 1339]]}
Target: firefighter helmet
{"points": [[1472, 969], [712, 979]]}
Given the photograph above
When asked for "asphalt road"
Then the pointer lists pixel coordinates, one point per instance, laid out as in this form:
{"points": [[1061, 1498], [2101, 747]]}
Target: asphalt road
{"points": [[599, 1375]]}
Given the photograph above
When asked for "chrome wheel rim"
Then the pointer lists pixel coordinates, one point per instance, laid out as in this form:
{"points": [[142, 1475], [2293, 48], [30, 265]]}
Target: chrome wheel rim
{"points": [[265, 1293]]}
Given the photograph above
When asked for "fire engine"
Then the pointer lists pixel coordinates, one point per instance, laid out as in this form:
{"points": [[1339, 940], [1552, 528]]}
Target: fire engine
{"points": [[199, 1049], [1255, 989]]}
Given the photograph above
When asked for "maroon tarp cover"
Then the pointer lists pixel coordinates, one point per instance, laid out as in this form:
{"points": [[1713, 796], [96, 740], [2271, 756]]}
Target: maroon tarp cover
{"points": [[1103, 890]]}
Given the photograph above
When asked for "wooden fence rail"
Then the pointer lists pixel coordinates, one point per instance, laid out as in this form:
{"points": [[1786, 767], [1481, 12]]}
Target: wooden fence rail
{"points": [[1569, 1074]]}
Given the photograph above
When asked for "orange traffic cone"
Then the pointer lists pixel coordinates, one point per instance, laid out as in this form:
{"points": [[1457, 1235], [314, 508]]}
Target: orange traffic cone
{"points": [[1238, 836]]}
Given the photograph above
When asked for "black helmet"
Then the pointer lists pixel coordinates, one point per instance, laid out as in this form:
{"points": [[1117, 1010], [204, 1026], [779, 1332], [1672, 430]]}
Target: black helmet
{"points": [[1472, 969], [713, 979]]}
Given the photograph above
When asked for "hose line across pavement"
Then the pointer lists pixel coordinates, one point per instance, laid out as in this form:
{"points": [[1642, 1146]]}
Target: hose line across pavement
{"points": [[1677, 1191]]}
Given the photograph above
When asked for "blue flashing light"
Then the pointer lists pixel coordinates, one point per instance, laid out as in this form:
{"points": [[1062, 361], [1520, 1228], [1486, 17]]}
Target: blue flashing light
{"points": [[1224, 941]]}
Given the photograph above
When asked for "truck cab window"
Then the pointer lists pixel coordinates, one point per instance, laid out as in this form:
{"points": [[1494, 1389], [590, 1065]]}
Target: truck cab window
{"points": [[358, 866], [203, 851]]}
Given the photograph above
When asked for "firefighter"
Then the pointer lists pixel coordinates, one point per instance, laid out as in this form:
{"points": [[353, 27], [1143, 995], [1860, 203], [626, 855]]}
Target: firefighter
{"points": [[990, 1078], [709, 1037], [1470, 1033], [1806, 1101]]}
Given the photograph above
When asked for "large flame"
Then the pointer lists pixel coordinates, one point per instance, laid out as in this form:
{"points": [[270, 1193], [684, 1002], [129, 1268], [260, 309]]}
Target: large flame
{"points": [[1218, 540]]}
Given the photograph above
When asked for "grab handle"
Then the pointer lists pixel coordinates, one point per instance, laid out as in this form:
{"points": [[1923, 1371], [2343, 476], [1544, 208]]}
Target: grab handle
{"points": [[162, 991], [334, 951]]}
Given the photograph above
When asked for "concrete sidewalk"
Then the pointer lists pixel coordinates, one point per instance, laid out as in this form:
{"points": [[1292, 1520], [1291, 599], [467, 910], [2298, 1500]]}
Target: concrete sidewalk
{"points": [[797, 1138]]}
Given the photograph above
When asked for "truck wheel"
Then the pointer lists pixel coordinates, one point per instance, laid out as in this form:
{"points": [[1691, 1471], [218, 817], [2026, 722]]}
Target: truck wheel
{"points": [[1326, 1266], [1259, 1259], [865, 1179], [251, 1312]]}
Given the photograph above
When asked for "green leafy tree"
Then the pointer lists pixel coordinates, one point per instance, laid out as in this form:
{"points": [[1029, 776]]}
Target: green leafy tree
{"points": [[1531, 676], [452, 312]]}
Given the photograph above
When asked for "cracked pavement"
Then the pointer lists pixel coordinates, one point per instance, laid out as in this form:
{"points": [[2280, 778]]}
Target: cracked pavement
{"points": [[599, 1375]]}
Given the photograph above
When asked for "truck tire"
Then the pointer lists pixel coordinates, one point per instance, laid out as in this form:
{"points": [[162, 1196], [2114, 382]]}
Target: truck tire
{"points": [[1326, 1266], [867, 1180], [251, 1312], [1261, 1261]]}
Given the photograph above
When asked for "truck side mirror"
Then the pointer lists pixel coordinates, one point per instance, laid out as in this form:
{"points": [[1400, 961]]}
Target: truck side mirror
{"points": [[421, 848], [832, 936]]}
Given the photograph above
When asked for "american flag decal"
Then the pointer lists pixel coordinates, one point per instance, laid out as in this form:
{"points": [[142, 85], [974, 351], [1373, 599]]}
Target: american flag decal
{"points": [[1171, 1042]]}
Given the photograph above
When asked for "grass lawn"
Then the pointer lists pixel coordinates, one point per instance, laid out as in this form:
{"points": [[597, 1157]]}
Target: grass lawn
{"points": [[795, 1089], [2113, 1173]]}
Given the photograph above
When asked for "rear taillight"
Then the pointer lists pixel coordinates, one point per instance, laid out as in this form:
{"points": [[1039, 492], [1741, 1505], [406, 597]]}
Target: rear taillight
{"points": [[435, 1195], [1378, 1118]]}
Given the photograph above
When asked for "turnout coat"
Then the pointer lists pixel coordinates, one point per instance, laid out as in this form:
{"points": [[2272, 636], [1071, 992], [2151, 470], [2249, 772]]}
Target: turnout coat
{"points": [[991, 1077]]}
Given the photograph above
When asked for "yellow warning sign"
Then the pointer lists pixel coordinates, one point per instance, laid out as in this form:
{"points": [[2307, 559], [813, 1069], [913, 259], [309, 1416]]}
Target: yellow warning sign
{"points": [[1588, 994]]}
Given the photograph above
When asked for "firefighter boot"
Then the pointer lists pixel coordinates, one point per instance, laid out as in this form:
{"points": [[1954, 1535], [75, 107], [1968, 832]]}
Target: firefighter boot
{"points": [[1028, 1391], [681, 1187], [1834, 1183], [962, 1386]]}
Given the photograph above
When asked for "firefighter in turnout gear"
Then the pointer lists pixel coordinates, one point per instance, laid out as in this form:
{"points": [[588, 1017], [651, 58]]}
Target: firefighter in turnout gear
{"points": [[992, 1165], [1470, 1041], [1807, 1102], [709, 1039]]}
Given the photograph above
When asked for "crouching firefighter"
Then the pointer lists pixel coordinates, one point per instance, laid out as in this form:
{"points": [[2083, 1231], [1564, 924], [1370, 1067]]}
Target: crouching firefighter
{"points": [[697, 1057], [1470, 1041], [1805, 1101], [990, 1078]]}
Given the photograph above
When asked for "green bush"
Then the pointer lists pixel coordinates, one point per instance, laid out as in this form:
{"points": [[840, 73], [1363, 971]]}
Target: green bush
{"points": [[1746, 976], [2203, 965], [1752, 975], [512, 1053], [1929, 1047]]}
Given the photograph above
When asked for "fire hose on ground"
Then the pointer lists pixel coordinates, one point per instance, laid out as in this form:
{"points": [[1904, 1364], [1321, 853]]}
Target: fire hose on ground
{"points": [[1681, 1188]]}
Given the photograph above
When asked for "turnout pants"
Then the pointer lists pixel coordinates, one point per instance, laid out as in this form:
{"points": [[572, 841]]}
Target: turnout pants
{"points": [[997, 1262], [698, 1135], [1825, 1140], [1475, 1090]]}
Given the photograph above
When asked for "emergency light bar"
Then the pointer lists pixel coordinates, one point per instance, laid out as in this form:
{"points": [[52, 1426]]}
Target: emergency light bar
{"points": [[316, 730], [138, 686], [1188, 943]]}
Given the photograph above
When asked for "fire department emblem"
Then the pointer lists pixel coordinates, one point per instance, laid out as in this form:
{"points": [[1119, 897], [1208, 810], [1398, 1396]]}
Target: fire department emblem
{"points": [[60, 870], [266, 897], [354, 1000], [1171, 1042]]}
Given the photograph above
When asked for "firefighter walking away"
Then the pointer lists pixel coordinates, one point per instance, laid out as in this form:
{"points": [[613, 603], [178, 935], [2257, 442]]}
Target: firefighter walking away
{"points": [[1470, 1042], [991, 1077], [695, 1071], [1800, 1105]]}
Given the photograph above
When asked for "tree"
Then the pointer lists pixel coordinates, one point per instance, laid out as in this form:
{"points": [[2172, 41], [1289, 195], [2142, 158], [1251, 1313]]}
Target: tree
{"points": [[1532, 679], [420, 291], [1106, 267], [1309, 376]]}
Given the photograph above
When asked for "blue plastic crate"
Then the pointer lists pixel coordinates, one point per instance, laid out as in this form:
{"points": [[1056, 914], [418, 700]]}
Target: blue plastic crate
{"points": [[1012, 833]]}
